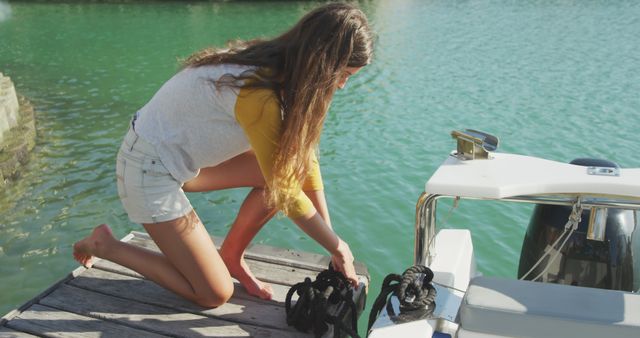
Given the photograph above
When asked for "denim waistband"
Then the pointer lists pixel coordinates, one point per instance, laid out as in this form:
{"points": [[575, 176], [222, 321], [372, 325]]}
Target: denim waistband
{"points": [[134, 143]]}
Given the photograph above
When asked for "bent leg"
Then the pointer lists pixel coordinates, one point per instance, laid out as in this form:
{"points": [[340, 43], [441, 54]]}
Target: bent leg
{"points": [[240, 171], [190, 265], [253, 214], [188, 247]]}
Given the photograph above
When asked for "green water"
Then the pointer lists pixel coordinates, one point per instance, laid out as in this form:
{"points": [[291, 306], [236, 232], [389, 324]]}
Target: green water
{"points": [[555, 79]]}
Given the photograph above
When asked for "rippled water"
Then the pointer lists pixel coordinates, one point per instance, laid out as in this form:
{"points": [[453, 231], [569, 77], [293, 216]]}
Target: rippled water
{"points": [[555, 79]]}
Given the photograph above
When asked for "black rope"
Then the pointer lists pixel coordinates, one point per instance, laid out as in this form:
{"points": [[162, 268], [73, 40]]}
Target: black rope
{"points": [[386, 289], [310, 312], [414, 293], [413, 289]]}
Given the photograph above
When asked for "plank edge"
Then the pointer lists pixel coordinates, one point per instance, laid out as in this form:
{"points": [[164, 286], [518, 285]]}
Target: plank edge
{"points": [[17, 311], [73, 274]]}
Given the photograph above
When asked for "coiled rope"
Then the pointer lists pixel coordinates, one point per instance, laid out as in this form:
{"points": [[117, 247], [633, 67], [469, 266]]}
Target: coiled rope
{"points": [[413, 289], [311, 311]]}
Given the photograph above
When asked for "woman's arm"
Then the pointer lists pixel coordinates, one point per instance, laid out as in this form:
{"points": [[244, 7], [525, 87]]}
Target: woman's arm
{"points": [[258, 113], [314, 225], [314, 189], [320, 203]]}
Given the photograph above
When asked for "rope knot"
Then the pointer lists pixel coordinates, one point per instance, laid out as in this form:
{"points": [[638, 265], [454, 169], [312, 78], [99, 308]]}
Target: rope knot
{"points": [[413, 289]]}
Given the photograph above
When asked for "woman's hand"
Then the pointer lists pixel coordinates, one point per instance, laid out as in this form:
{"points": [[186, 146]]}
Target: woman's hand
{"points": [[341, 256], [342, 261]]}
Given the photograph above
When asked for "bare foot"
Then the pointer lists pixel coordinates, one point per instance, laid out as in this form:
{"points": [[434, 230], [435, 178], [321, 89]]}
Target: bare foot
{"points": [[240, 271], [85, 249]]}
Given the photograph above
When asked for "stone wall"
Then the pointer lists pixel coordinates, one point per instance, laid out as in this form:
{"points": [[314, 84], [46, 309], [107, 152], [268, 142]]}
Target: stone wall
{"points": [[17, 130]]}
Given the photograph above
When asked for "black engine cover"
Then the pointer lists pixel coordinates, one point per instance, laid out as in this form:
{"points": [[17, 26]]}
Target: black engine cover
{"points": [[607, 264], [610, 264]]}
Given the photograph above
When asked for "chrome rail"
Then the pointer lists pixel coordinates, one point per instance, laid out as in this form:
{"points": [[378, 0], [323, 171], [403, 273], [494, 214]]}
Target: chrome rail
{"points": [[425, 227], [425, 230]]}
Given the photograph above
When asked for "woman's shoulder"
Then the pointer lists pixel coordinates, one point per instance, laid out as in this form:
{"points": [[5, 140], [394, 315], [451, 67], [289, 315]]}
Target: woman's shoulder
{"points": [[259, 98], [217, 71], [256, 103]]}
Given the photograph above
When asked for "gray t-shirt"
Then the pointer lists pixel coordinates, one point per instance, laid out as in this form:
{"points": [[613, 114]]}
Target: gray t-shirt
{"points": [[192, 123]]}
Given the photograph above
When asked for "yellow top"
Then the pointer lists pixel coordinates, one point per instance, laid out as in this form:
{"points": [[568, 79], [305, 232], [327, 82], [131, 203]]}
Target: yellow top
{"points": [[258, 113]]}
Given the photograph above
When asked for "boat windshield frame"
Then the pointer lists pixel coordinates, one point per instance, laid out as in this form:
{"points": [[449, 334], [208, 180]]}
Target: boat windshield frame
{"points": [[425, 225]]}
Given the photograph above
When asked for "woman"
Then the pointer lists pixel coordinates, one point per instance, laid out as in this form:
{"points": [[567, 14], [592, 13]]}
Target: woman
{"points": [[248, 116]]}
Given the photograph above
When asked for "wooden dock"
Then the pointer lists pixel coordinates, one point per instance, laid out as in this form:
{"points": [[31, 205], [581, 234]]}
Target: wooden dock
{"points": [[110, 300]]}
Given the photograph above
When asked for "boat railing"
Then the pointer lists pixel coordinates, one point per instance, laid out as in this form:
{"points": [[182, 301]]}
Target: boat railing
{"points": [[425, 226]]}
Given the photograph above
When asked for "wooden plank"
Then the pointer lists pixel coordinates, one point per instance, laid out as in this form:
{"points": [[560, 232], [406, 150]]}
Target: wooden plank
{"points": [[290, 257], [280, 291], [265, 253], [151, 318], [267, 272], [13, 313], [271, 272], [117, 296], [241, 310], [6, 332], [50, 322]]}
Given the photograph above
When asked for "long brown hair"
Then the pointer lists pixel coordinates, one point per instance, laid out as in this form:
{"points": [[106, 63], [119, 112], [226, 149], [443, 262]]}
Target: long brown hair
{"points": [[302, 66]]}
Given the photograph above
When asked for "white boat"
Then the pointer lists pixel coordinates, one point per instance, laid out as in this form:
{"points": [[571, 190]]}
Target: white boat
{"points": [[579, 276]]}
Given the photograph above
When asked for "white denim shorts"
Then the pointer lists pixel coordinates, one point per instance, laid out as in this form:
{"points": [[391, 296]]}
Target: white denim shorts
{"points": [[147, 190]]}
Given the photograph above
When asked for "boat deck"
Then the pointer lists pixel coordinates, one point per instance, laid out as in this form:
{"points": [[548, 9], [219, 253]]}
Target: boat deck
{"points": [[111, 300]]}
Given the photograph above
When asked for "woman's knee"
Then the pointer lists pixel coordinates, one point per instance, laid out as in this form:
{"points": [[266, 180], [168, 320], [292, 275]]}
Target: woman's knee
{"points": [[217, 296]]}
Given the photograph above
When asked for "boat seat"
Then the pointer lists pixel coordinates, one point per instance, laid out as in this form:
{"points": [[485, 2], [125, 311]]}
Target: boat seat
{"points": [[513, 308]]}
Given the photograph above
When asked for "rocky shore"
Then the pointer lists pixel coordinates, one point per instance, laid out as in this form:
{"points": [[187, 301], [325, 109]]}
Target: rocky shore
{"points": [[17, 131]]}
